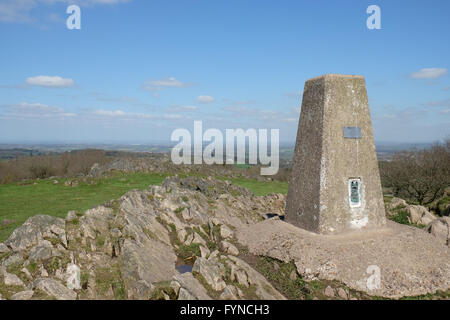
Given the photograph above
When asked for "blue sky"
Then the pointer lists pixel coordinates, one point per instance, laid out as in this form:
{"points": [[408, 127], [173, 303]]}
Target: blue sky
{"points": [[139, 69]]}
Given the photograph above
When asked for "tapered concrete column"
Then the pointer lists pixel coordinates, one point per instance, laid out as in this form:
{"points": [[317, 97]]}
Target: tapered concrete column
{"points": [[335, 183]]}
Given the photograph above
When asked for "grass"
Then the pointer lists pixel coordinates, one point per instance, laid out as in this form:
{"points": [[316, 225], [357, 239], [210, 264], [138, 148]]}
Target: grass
{"points": [[110, 277], [292, 289], [19, 201], [261, 188]]}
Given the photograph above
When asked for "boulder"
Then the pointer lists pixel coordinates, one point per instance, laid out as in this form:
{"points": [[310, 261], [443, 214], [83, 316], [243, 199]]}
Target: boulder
{"points": [[42, 252], [229, 248], [212, 271], [73, 274], [71, 216], [12, 280], [225, 232], [229, 293], [96, 221], [264, 290], [54, 288], [23, 295], [3, 248], [34, 230], [190, 288], [342, 294], [152, 262], [397, 202], [329, 292], [15, 259], [440, 228], [419, 214]]}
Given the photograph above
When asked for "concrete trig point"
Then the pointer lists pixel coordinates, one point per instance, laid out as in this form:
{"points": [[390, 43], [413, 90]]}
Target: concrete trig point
{"points": [[335, 183]]}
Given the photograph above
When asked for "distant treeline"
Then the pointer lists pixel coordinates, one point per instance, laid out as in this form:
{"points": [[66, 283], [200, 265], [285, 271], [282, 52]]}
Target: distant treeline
{"points": [[418, 175], [67, 164]]}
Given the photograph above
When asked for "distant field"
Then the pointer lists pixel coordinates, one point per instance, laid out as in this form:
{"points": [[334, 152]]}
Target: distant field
{"points": [[19, 201]]}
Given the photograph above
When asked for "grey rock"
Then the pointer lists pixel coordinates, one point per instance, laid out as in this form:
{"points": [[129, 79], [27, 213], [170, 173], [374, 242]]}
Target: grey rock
{"points": [[229, 293], [204, 252], [11, 279], [3, 248], [73, 274], [185, 295], [54, 288], [23, 295], [419, 214], [190, 288], [225, 232], [329, 292], [212, 271], [342, 294], [229, 248], [152, 262], [15, 259], [96, 221], [440, 228], [264, 290], [71, 216], [40, 253], [34, 230], [397, 202]]}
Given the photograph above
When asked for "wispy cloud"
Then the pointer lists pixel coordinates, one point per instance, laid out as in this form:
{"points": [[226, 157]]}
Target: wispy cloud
{"points": [[160, 84], [182, 108], [289, 115], [439, 103], [50, 82], [19, 10], [205, 99], [27, 110], [429, 73]]}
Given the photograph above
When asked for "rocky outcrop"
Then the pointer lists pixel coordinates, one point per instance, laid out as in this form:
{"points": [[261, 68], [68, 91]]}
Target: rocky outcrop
{"points": [[132, 248], [419, 215], [440, 228], [35, 230], [54, 288], [129, 247]]}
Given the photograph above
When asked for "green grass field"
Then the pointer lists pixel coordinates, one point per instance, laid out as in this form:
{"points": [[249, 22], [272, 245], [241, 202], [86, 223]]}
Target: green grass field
{"points": [[19, 201]]}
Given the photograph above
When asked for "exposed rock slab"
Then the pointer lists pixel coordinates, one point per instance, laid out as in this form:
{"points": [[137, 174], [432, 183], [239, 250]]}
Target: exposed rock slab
{"points": [[34, 230], [190, 288], [411, 261], [54, 288]]}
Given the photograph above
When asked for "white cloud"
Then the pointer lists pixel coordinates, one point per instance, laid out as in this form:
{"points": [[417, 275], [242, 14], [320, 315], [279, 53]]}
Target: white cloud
{"points": [[429, 73], [440, 103], [133, 115], [205, 99], [110, 113], [50, 82], [181, 108], [27, 110], [169, 82]]}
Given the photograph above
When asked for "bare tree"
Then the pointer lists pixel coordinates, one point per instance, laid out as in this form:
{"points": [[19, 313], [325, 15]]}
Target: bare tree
{"points": [[418, 175]]}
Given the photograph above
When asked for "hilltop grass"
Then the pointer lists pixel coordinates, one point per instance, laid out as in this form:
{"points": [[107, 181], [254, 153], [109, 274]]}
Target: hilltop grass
{"points": [[21, 200], [261, 188]]}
